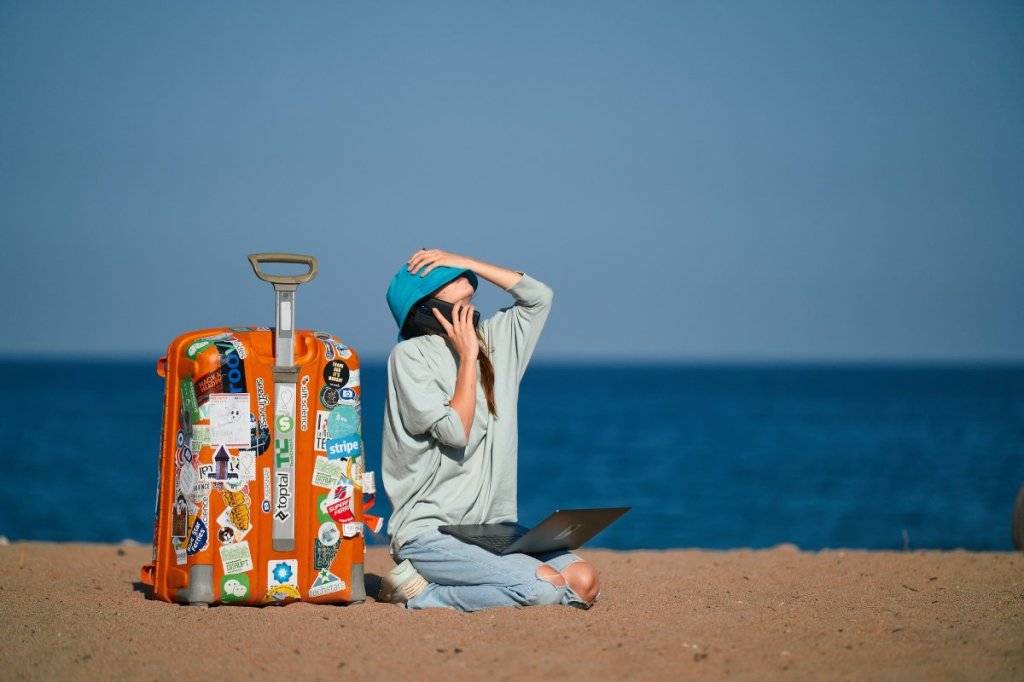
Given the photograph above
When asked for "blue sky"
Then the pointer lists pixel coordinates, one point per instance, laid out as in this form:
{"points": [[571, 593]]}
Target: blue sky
{"points": [[696, 181]]}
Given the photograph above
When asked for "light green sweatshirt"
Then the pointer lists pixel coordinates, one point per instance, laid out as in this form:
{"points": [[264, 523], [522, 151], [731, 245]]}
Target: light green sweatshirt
{"points": [[432, 473]]}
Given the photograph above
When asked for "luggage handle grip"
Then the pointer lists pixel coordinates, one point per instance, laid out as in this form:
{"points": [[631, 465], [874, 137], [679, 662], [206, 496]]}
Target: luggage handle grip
{"points": [[257, 259]]}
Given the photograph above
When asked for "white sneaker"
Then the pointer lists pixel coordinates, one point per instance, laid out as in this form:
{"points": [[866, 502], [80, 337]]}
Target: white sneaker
{"points": [[401, 584]]}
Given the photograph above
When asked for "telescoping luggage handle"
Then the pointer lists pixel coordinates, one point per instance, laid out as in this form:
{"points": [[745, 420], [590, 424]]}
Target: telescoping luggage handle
{"points": [[285, 378]]}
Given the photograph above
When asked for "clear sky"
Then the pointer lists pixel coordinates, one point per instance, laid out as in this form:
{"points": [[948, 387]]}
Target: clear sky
{"points": [[696, 181]]}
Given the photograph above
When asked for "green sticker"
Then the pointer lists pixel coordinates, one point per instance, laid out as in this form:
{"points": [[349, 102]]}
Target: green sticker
{"points": [[234, 588], [321, 505], [197, 347], [188, 398], [285, 423]]}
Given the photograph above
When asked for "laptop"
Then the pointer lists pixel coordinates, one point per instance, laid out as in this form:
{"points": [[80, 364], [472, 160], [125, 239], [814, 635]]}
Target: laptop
{"points": [[565, 529]]}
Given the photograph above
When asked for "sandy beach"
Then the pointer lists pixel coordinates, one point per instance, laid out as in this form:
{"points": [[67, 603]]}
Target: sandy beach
{"points": [[78, 612]]}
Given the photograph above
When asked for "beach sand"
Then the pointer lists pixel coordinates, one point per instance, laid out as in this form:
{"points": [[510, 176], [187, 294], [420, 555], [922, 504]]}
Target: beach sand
{"points": [[77, 611]]}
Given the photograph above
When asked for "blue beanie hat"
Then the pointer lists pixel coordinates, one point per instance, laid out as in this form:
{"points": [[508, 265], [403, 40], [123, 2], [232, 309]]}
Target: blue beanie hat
{"points": [[407, 288]]}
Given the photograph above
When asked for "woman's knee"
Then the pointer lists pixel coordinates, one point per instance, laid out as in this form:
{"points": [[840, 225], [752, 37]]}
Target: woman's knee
{"points": [[549, 587], [582, 577]]}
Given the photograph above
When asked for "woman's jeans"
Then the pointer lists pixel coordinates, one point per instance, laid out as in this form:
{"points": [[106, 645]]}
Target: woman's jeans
{"points": [[470, 578]]}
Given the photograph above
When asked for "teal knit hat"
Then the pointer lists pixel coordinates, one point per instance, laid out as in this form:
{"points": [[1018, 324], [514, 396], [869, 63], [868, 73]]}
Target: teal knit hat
{"points": [[407, 288]]}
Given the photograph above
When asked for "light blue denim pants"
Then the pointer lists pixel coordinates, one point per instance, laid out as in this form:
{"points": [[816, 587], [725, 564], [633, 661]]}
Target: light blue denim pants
{"points": [[469, 578]]}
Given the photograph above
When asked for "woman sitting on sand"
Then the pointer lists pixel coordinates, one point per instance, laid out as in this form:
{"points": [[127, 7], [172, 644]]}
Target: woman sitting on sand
{"points": [[450, 443]]}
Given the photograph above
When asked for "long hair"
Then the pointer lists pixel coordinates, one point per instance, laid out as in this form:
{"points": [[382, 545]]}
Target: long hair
{"points": [[486, 374]]}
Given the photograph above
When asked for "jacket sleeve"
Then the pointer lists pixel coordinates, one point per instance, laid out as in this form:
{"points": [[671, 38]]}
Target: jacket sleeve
{"points": [[518, 327], [423, 404]]}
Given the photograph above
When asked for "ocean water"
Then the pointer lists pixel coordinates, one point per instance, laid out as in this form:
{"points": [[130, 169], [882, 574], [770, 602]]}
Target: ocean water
{"points": [[875, 457]]}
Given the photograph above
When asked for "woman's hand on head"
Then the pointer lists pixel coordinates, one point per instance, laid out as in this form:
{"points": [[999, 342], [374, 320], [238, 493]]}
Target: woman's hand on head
{"points": [[428, 259], [461, 330]]}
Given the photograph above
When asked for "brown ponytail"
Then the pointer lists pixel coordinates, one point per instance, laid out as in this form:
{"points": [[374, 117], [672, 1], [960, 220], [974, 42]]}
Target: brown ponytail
{"points": [[486, 374]]}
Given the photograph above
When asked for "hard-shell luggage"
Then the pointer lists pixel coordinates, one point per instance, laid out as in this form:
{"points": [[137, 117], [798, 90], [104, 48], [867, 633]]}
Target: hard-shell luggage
{"points": [[261, 485]]}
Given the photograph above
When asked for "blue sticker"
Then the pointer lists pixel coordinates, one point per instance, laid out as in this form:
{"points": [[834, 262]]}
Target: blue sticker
{"points": [[197, 540], [340, 448]]}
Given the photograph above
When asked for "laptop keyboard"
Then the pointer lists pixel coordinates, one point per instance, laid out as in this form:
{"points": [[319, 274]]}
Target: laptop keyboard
{"points": [[496, 543]]}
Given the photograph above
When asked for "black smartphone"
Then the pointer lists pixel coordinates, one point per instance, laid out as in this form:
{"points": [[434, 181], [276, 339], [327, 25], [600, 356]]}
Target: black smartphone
{"points": [[423, 317]]}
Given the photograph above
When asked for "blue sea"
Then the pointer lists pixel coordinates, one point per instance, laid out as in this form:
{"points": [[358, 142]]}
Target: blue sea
{"points": [[874, 457]]}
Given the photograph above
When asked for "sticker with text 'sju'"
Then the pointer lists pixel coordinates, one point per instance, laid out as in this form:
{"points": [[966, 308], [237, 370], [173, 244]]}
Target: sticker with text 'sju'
{"points": [[326, 583], [229, 419], [234, 588], [326, 472], [236, 558]]}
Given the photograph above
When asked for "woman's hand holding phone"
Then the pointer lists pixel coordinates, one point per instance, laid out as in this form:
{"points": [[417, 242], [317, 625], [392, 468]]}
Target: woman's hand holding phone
{"points": [[461, 330]]}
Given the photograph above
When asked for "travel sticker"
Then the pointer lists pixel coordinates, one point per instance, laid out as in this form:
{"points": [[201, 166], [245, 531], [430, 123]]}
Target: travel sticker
{"points": [[326, 472], [197, 347], [205, 386], [262, 400], [200, 436], [236, 558], [343, 448], [336, 374], [343, 350], [323, 554], [321, 509], [283, 572], [198, 539], [339, 503], [328, 534], [236, 515], [322, 434], [343, 421], [304, 403], [234, 588], [187, 478], [189, 401], [259, 435], [265, 505], [179, 518], [329, 397], [326, 583], [229, 419], [232, 369]]}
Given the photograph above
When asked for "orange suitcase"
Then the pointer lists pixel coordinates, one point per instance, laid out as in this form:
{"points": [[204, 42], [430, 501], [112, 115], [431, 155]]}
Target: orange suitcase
{"points": [[262, 489]]}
